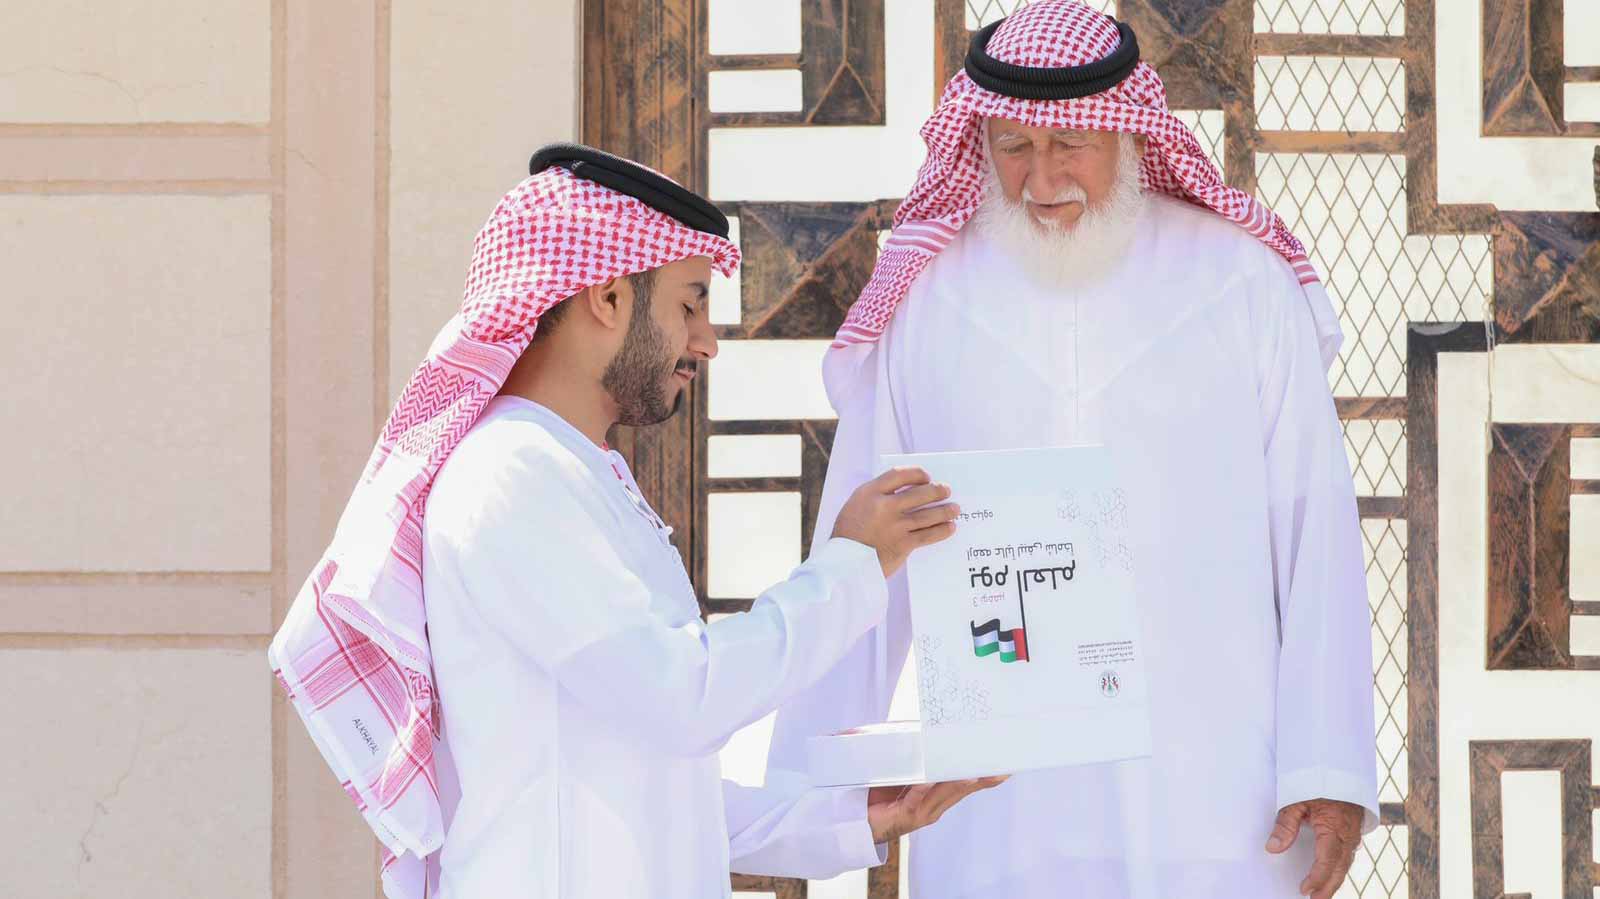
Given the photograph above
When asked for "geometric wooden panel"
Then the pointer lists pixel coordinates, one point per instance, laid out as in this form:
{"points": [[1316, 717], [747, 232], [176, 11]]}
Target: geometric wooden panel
{"points": [[1547, 276], [802, 261], [1422, 806], [1525, 74], [1490, 759], [1522, 64], [1531, 487], [840, 62], [1525, 553]]}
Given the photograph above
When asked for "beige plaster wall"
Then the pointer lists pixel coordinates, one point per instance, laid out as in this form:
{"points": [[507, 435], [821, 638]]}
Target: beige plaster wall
{"points": [[219, 223]]}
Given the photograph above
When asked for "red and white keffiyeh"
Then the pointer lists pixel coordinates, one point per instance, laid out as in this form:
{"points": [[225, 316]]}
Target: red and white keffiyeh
{"points": [[353, 651], [949, 187]]}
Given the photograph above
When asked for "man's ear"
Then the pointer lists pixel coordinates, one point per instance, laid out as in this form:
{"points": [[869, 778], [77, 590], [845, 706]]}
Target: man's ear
{"points": [[606, 301], [1139, 143]]}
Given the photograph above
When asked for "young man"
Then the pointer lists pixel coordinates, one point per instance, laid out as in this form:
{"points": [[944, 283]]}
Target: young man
{"points": [[560, 645]]}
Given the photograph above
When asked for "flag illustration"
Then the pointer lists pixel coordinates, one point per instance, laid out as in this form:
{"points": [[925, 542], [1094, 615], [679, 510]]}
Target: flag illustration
{"points": [[989, 639]]}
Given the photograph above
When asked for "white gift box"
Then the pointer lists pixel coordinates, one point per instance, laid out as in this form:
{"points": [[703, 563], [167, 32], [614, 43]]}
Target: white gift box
{"points": [[875, 755], [1025, 628]]}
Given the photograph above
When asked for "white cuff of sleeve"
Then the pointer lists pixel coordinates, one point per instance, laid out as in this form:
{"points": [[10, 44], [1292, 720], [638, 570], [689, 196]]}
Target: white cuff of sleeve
{"points": [[1330, 783], [844, 553], [852, 569], [856, 848]]}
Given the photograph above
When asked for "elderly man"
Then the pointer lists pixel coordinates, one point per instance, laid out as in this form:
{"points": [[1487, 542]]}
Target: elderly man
{"points": [[541, 599], [1069, 268]]}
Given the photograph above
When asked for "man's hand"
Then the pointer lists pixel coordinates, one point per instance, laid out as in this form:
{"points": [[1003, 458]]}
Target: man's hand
{"points": [[1338, 829], [892, 513], [894, 812]]}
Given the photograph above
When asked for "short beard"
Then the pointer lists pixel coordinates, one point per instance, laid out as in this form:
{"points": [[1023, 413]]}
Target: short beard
{"points": [[636, 376], [1060, 257]]}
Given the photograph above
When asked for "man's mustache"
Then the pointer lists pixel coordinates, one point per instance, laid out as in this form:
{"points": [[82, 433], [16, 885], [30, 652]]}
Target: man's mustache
{"points": [[1065, 195]]}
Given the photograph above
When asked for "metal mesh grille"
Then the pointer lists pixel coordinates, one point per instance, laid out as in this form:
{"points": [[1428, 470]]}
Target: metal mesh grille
{"points": [[1379, 871], [1331, 16], [1330, 93], [1209, 127], [1386, 595], [1380, 864], [982, 12], [1350, 210], [1377, 451]]}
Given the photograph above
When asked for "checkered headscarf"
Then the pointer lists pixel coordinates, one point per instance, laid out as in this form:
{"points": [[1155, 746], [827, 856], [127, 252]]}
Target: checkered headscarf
{"points": [[353, 651], [949, 188]]}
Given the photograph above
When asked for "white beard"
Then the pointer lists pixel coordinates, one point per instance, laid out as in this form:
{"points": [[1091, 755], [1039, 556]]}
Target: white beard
{"points": [[1056, 256]]}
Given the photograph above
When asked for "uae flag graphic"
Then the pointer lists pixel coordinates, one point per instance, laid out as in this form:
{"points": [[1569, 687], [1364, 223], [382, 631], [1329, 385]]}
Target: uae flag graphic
{"points": [[988, 639]]}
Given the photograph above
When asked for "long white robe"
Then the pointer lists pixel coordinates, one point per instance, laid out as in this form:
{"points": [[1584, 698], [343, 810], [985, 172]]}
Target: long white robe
{"points": [[584, 700], [1195, 359]]}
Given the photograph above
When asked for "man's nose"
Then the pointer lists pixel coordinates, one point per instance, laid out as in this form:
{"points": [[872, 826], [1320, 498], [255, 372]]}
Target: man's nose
{"points": [[703, 338], [1040, 186], [1044, 186]]}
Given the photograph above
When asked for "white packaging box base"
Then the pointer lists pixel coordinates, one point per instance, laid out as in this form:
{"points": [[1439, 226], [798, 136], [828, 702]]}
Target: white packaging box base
{"points": [[894, 753], [878, 755]]}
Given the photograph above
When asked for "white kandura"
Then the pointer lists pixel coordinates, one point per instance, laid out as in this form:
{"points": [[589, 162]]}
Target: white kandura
{"points": [[1195, 359], [584, 699]]}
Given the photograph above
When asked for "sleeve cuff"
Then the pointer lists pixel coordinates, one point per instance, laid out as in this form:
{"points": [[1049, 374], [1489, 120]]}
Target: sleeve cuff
{"points": [[850, 558], [854, 574], [1330, 783], [856, 848]]}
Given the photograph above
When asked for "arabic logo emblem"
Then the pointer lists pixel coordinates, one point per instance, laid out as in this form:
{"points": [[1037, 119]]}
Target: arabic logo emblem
{"points": [[1110, 684]]}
